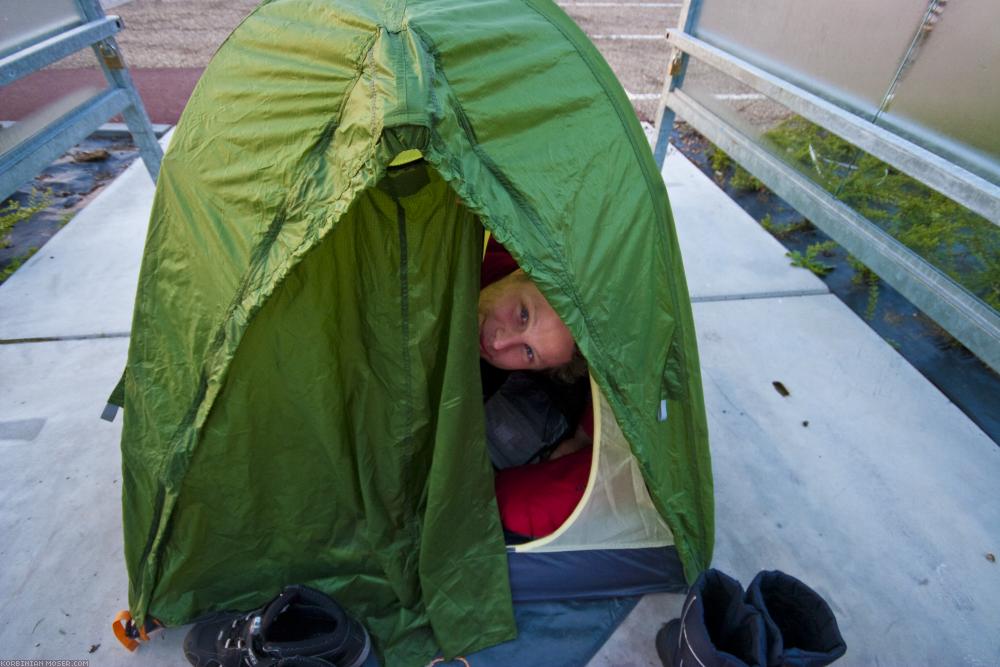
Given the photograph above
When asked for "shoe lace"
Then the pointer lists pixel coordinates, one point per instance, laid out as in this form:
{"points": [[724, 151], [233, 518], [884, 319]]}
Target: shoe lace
{"points": [[237, 632]]}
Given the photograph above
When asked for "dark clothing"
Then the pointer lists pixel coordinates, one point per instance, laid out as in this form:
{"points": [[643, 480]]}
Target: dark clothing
{"points": [[528, 414]]}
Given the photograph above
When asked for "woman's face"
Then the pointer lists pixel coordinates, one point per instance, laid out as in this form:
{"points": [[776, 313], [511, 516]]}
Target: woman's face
{"points": [[518, 330]]}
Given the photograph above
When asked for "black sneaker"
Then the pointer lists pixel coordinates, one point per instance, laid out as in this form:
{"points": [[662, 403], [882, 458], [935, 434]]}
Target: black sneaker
{"points": [[301, 626]]}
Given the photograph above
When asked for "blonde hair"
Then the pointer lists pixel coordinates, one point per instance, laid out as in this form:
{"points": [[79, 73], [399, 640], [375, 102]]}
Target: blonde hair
{"points": [[572, 370]]}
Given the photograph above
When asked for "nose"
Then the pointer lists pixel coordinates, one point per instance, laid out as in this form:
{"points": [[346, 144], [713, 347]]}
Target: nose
{"points": [[504, 339]]}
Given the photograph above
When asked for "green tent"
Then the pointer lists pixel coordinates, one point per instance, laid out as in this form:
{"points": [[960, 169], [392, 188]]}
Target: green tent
{"points": [[302, 387]]}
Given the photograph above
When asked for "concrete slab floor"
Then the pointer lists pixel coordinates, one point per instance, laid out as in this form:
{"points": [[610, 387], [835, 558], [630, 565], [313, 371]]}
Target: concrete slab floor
{"points": [[726, 253], [83, 281], [865, 481], [63, 572]]}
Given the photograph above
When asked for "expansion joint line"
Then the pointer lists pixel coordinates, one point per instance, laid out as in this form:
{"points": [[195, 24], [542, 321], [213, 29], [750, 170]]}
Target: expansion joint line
{"points": [[57, 339]]}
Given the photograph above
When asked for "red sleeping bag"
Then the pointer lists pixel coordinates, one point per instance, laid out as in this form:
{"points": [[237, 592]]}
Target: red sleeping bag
{"points": [[536, 499]]}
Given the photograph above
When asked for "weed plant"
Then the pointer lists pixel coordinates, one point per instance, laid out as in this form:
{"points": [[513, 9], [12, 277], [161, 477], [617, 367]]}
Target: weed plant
{"points": [[784, 231], [13, 212], [7, 271], [719, 160], [744, 180], [811, 259], [960, 243], [865, 276], [741, 179]]}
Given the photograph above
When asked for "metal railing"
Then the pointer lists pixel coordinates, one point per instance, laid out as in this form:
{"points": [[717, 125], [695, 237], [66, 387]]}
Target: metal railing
{"points": [[963, 314], [51, 32]]}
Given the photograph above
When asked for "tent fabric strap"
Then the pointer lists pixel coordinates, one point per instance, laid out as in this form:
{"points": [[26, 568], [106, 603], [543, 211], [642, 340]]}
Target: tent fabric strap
{"points": [[115, 401]]}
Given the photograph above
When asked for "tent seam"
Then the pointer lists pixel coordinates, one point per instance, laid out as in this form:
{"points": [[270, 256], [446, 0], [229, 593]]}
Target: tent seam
{"points": [[159, 525], [643, 164], [647, 176], [521, 202], [264, 245], [404, 307]]}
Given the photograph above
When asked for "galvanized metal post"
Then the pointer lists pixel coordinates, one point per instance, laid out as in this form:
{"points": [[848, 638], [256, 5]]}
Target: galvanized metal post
{"points": [[136, 118], [29, 149], [675, 77]]}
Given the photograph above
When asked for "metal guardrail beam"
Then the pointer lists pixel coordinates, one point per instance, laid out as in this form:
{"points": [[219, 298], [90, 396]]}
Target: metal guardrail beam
{"points": [[54, 49], [967, 318], [135, 114], [972, 191], [27, 159]]}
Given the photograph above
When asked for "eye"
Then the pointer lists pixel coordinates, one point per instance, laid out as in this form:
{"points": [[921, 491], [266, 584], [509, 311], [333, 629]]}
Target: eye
{"points": [[524, 314], [529, 353]]}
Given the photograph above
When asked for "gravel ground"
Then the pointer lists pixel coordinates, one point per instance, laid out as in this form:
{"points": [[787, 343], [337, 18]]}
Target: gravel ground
{"points": [[629, 34], [185, 33], [171, 33]]}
